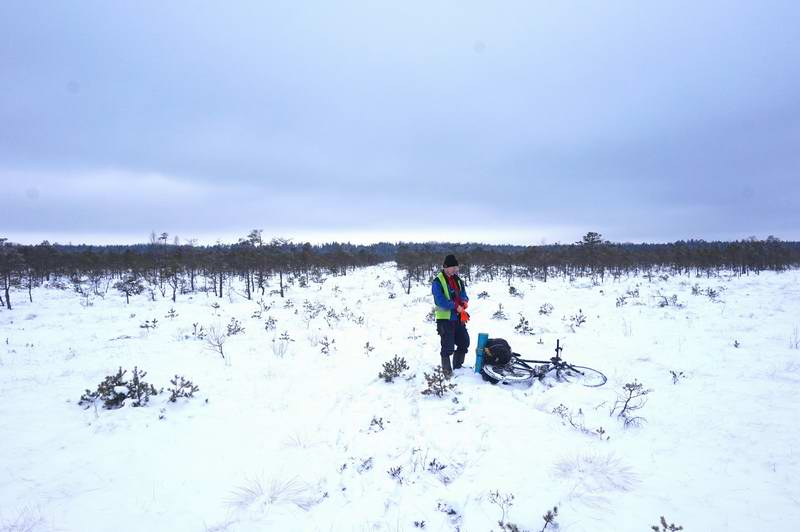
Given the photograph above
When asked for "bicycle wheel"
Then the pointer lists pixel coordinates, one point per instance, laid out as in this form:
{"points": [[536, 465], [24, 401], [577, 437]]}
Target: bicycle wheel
{"points": [[509, 373], [581, 375]]}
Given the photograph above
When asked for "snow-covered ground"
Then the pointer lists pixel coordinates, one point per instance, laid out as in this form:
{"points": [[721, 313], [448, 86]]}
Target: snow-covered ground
{"points": [[305, 441]]}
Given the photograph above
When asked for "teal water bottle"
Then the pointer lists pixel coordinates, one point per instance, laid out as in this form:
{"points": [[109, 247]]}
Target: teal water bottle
{"points": [[482, 339]]}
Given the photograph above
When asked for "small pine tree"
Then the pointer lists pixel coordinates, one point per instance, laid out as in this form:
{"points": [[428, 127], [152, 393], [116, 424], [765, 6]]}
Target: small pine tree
{"points": [[139, 390], [393, 369], [181, 387], [438, 383], [109, 392]]}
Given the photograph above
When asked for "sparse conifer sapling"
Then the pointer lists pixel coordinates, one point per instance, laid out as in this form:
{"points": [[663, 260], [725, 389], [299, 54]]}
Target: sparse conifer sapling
{"points": [[234, 328], [139, 390], [664, 527], [438, 383], [576, 320], [550, 518], [376, 425], [115, 389], [198, 333], [326, 345], [523, 327], [393, 369], [181, 387], [396, 473]]}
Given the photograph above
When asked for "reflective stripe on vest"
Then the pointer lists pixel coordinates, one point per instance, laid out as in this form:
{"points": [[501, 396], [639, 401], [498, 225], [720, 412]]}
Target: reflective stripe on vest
{"points": [[440, 312]]}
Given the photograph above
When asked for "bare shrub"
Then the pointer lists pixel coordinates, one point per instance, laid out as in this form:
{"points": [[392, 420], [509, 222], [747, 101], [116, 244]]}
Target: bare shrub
{"points": [[632, 399], [215, 340]]}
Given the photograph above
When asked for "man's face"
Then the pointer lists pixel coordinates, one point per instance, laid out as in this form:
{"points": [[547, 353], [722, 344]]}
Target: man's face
{"points": [[451, 270]]}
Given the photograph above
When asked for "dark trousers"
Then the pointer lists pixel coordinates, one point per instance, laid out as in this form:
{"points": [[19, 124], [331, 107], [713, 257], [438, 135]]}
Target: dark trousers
{"points": [[454, 337]]}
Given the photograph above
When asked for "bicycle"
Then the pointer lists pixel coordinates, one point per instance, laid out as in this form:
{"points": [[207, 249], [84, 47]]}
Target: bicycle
{"points": [[520, 370]]}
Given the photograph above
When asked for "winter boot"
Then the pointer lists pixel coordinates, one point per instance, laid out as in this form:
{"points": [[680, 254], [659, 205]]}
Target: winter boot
{"points": [[446, 368]]}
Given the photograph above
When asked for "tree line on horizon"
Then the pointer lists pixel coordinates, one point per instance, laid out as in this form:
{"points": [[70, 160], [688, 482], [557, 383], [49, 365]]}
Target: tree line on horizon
{"points": [[254, 262]]}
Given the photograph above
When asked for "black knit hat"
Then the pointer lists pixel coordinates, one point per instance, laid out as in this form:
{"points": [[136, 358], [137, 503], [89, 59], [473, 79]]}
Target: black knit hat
{"points": [[450, 260]]}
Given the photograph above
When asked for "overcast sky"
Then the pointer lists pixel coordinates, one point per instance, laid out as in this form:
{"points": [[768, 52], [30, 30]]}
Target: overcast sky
{"points": [[501, 121]]}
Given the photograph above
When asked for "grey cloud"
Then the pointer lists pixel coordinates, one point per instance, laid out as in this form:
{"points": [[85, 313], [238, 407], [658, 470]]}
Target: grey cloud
{"points": [[660, 122]]}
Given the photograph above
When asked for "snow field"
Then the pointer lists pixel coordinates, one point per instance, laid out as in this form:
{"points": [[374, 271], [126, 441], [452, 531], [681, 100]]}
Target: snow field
{"points": [[306, 441]]}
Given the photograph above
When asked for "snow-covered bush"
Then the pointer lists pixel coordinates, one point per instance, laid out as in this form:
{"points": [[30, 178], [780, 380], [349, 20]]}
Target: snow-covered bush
{"points": [[114, 390], [393, 369], [546, 309]]}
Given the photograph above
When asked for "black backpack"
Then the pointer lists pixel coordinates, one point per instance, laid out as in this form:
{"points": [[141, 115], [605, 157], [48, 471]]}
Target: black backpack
{"points": [[496, 353]]}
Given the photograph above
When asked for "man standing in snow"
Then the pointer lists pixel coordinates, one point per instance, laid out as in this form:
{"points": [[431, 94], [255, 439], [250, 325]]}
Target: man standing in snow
{"points": [[450, 297]]}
